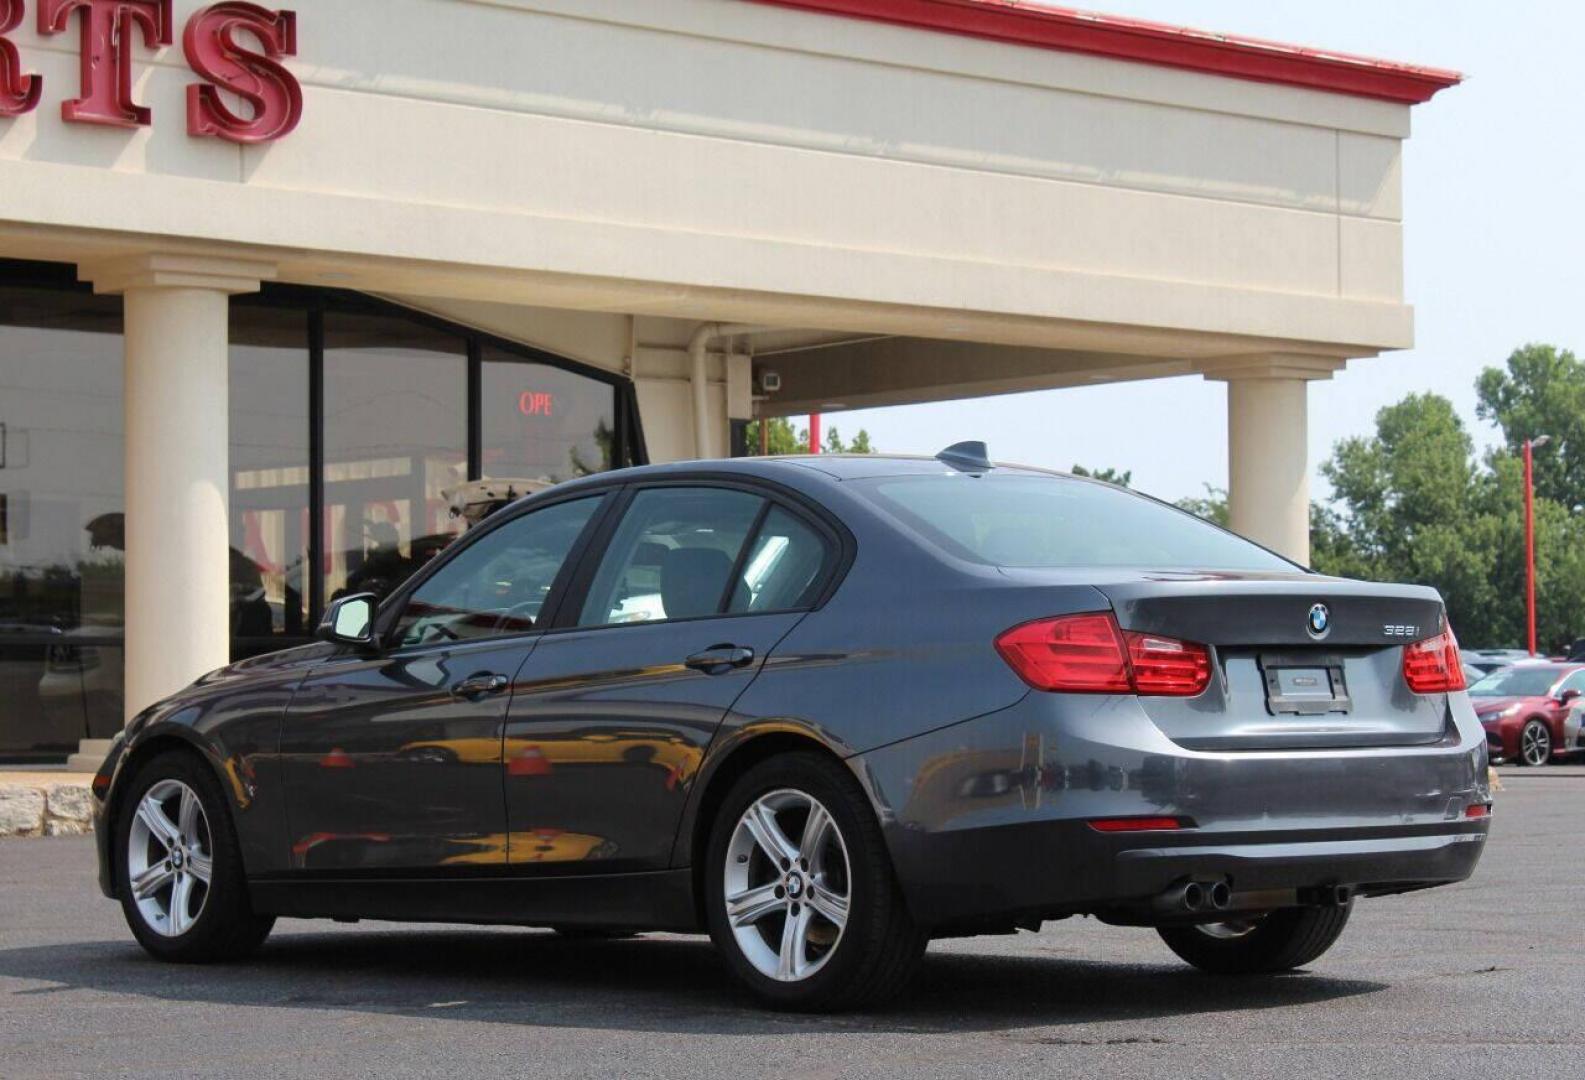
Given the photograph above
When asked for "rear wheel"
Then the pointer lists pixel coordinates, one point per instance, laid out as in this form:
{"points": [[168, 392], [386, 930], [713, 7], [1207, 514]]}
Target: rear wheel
{"points": [[1535, 743], [800, 893], [1278, 941], [178, 869]]}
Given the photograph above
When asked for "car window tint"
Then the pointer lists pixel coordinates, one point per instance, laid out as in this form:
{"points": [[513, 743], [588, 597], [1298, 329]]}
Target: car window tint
{"points": [[1517, 681], [1053, 521], [784, 567], [672, 556], [499, 583]]}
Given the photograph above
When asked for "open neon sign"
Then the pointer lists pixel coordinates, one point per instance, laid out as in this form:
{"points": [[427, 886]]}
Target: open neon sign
{"points": [[215, 48], [532, 403]]}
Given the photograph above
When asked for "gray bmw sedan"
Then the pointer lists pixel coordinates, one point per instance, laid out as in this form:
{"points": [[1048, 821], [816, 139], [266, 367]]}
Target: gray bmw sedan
{"points": [[825, 709]]}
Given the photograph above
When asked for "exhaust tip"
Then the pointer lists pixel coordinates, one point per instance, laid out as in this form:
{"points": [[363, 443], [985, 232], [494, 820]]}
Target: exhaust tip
{"points": [[1342, 894], [1193, 896], [1221, 895]]}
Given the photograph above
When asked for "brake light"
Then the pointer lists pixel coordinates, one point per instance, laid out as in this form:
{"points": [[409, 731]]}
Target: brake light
{"points": [[1433, 666], [1089, 654], [1136, 824]]}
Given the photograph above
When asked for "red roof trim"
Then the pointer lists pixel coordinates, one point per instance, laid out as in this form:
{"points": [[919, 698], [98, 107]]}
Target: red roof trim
{"points": [[1023, 23]]}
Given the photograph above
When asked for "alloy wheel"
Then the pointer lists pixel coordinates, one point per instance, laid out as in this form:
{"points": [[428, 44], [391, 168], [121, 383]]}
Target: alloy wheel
{"points": [[787, 901], [170, 858], [1535, 744]]}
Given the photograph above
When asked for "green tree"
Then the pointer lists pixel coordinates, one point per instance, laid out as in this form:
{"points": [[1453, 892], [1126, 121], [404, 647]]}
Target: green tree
{"points": [[1541, 391], [1412, 504], [785, 439], [1107, 475], [1212, 506]]}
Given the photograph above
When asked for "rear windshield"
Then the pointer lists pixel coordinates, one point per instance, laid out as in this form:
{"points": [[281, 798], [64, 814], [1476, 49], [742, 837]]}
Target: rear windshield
{"points": [[1517, 682], [1038, 521]]}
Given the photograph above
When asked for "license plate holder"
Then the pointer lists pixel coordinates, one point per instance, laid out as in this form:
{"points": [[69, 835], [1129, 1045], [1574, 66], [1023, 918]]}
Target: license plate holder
{"points": [[1304, 685]]}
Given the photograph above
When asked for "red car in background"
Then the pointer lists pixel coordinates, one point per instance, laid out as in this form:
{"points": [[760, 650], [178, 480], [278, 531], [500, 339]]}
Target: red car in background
{"points": [[1524, 707]]}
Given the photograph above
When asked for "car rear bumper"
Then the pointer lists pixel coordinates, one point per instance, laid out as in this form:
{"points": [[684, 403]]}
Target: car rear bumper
{"points": [[989, 819]]}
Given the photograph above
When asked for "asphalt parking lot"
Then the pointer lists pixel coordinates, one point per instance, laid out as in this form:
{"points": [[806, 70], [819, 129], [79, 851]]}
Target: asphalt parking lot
{"points": [[1483, 979]]}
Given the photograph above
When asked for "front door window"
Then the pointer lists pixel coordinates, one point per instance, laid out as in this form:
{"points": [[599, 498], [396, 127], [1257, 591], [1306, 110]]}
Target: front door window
{"points": [[499, 584]]}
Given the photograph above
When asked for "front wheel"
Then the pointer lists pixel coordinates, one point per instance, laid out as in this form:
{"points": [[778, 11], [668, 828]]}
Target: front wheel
{"points": [[1535, 744], [1279, 941], [801, 896], [178, 870]]}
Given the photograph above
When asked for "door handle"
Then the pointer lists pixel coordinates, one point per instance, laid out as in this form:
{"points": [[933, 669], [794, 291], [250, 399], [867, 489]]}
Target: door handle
{"points": [[719, 659], [481, 685]]}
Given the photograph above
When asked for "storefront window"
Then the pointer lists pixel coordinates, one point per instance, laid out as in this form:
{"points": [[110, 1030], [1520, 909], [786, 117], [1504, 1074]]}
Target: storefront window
{"points": [[396, 437], [61, 534], [543, 423], [269, 477]]}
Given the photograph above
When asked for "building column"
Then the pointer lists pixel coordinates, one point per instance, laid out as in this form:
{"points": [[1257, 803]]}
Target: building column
{"points": [[1268, 466], [177, 439]]}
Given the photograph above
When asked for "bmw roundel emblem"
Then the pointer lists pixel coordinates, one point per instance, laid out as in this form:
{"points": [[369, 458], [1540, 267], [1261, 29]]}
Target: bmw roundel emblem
{"points": [[1319, 621]]}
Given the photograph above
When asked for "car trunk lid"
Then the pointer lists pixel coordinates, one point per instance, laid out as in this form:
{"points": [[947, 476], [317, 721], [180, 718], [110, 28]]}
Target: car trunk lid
{"points": [[1283, 681]]}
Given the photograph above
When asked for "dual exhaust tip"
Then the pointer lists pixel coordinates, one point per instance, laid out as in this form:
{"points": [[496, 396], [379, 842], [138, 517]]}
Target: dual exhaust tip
{"points": [[1210, 896], [1198, 896]]}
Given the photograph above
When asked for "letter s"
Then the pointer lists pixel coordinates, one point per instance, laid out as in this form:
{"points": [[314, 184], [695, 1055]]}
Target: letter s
{"points": [[19, 93], [213, 51]]}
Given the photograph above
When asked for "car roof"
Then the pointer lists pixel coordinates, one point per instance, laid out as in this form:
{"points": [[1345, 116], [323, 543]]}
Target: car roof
{"points": [[839, 467]]}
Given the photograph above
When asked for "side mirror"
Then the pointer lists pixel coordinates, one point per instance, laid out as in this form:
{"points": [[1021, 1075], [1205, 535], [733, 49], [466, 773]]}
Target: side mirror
{"points": [[1567, 696], [350, 620]]}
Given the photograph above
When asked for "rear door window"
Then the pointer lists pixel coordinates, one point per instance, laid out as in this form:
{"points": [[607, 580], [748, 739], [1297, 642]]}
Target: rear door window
{"points": [[785, 568], [672, 556]]}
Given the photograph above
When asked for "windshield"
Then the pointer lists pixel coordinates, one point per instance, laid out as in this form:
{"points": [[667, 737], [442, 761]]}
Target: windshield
{"points": [[1517, 682], [1053, 521]]}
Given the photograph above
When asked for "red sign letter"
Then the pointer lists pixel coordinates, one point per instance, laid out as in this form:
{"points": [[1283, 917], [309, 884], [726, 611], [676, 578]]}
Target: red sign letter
{"points": [[107, 28], [258, 78], [19, 93]]}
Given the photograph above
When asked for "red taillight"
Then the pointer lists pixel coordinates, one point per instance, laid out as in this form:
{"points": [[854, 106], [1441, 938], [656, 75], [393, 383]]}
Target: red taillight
{"points": [[1135, 824], [1477, 810], [1168, 667], [1433, 666], [1088, 654]]}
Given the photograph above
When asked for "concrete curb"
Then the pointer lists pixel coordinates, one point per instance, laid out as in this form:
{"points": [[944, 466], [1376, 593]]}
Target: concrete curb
{"points": [[45, 804]]}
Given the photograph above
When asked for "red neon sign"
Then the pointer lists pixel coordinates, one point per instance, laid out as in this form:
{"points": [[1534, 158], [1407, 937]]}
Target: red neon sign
{"points": [[530, 403], [215, 48]]}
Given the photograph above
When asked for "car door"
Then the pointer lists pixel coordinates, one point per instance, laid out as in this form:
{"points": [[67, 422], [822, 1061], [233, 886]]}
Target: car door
{"points": [[614, 711], [392, 755]]}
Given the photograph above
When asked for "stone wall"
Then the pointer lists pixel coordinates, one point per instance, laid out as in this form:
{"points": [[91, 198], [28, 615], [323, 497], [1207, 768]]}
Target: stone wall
{"points": [[45, 808]]}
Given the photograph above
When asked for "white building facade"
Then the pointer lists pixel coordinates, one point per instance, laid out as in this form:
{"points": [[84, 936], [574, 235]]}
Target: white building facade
{"points": [[271, 281]]}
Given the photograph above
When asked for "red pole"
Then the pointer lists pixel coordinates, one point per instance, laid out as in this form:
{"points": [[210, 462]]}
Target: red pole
{"points": [[814, 434], [1529, 543], [764, 436]]}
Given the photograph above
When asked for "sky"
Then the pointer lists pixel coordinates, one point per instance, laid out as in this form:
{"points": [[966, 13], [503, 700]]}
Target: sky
{"points": [[1494, 235]]}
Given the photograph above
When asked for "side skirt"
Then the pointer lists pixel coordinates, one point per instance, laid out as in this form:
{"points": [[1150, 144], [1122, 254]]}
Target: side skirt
{"points": [[661, 900]]}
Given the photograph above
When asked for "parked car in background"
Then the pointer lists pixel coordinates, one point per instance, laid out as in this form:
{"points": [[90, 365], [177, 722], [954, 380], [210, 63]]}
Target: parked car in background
{"points": [[1574, 727], [1487, 661], [1523, 709]]}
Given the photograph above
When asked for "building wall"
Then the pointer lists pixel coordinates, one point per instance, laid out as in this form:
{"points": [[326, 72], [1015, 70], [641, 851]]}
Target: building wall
{"points": [[722, 159]]}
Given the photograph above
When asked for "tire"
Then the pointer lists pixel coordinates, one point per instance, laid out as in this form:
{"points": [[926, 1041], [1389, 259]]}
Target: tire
{"points": [[867, 957], [217, 922], [1535, 743], [1281, 941]]}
